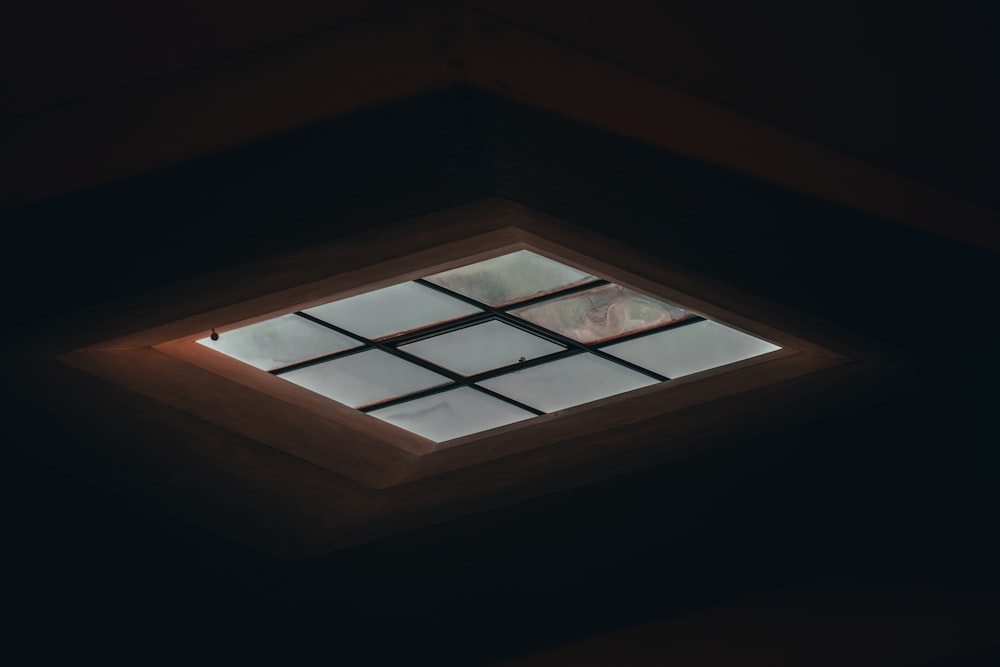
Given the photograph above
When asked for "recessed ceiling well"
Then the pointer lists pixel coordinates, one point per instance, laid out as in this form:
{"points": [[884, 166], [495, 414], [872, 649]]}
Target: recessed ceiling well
{"points": [[487, 344], [454, 340]]}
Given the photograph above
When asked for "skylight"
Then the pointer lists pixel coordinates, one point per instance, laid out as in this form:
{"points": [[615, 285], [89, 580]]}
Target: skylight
{"points": [[485, 345]]}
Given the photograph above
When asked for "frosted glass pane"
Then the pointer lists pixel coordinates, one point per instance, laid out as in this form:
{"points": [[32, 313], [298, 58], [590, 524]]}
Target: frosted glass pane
{"points": [[365, 378], [481, 347], [452, 414], [392, 310], [690, 348], [509, 278], [280, 342], [601, 313], [567, 382]]}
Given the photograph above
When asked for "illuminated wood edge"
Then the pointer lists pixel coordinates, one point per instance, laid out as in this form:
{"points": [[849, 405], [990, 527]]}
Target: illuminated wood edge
{"points": [[167, 364]]}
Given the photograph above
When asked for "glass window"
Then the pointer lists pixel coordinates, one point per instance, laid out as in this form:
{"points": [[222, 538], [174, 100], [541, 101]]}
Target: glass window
{"points": [[281, 341], [510, 278], [567, 382], [600, 318], [451, 414], [364, 378], [392, 310], [690, 348], [601, 313], [481, 348]]}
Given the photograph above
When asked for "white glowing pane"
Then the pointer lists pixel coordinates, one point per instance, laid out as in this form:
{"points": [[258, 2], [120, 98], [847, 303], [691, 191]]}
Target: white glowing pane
{"points": [[278, 342], [510, 278], [365, 378], [481, 348], [567, 382], [601, 313], [690, 348], [452, 414], [392, 310]]}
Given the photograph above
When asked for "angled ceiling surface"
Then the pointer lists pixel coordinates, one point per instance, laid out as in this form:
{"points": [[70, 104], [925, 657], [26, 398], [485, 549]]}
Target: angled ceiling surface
{"points": [[138, 207], [187, 240], [249, 87]]}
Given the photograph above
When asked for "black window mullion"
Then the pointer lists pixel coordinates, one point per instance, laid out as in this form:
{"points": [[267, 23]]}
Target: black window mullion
{"points": [[513, 368], [628, 364], [650, 331], [430, 391], [479, 377], [319, 360], [488, 313], [381, 345], [476, 318], [339, 330], [456, 378], [437, 329], [365, 345], [566, 291], [389, 402], [542, 332]]}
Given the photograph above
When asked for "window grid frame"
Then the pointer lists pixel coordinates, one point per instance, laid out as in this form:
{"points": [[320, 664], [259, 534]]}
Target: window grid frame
{"points": [[390, 344]]}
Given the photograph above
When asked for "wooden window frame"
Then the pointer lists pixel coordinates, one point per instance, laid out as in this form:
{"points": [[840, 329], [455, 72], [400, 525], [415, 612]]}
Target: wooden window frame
{"points": [[164, 362]]}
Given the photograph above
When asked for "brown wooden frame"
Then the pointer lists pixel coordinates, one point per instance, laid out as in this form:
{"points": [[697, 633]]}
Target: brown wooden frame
{"points": [[165, 363]]}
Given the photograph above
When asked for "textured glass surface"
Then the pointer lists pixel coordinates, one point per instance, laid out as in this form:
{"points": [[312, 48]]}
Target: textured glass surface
{"points": [[481, 348], [391, 310], [567, 382], [365, 378], [452, 414], [510, 278], [601, 313], [690, 348], [279, 342]]}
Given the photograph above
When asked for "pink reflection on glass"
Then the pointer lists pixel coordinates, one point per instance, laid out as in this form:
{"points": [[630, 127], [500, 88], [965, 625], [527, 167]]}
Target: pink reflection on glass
{"points": [[601, 313], [510, 278]]}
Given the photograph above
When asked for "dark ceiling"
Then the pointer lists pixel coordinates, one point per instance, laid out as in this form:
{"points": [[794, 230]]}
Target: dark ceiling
{"points": [[860, 536], [907, 85]]}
